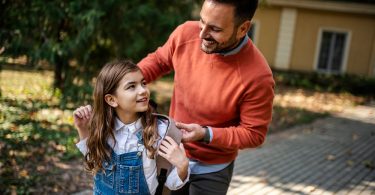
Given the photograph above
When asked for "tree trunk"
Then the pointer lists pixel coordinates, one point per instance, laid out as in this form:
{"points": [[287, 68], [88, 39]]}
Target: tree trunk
{"points": [[58, 77]]}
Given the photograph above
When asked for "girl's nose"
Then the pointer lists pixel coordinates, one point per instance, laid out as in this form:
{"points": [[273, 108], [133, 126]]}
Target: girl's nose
{"points": [[142, 89]]}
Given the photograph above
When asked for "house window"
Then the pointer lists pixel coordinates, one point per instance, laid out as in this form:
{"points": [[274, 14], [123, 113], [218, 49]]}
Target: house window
{"points": [[332, 50]]}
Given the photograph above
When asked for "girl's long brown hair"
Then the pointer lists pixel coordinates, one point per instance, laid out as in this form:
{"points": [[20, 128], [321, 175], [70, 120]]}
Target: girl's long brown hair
{"points": [[103, 117]]}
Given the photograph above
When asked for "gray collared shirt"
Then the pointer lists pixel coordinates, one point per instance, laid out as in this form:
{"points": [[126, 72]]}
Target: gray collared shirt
{"points": [[237, 49]]}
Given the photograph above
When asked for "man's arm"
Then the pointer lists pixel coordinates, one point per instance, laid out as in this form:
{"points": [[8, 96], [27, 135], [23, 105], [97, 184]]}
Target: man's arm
{"points": [[160, 62], [255, 116]]}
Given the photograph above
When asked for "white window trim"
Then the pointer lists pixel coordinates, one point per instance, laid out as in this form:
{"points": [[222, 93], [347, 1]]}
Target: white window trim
{"points": [[346, 48]]}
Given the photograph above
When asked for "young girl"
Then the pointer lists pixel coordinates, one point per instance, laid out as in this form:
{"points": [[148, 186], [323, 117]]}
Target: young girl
{"points": [[120, 136]]}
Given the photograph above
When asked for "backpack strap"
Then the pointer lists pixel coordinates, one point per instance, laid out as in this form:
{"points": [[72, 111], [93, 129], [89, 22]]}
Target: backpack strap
{"points": [[163, 166]]}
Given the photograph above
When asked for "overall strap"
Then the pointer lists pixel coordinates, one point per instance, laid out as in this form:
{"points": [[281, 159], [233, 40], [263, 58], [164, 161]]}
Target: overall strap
{"points": [[164, 167]]}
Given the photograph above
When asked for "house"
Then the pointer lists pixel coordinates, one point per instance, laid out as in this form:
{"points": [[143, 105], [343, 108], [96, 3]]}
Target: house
{"points": [[333, 37]]}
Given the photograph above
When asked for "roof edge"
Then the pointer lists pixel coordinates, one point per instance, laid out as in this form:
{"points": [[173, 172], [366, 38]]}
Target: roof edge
{"points": [[358, 8]]}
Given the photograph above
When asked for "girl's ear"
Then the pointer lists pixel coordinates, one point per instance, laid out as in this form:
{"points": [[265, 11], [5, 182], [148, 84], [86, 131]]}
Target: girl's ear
{"points": [[111, 100]]}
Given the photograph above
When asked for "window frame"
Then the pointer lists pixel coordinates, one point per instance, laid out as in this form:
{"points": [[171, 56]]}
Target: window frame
{"points": [[344, 60]]}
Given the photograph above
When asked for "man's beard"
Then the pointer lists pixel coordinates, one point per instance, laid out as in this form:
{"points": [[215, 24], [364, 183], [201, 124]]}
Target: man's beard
{"points": [[220, 48]]}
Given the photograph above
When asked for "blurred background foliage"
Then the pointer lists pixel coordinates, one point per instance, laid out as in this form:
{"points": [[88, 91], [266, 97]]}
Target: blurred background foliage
{"points": [[75, 38], [50, 52]]}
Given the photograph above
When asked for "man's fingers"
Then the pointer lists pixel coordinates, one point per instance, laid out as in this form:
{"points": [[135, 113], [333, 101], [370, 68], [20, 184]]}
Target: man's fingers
{"points": [[185, 140], [183, 126]]}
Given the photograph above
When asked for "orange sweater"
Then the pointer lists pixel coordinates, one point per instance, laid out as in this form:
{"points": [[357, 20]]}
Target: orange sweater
{"points": [[232, 94]]}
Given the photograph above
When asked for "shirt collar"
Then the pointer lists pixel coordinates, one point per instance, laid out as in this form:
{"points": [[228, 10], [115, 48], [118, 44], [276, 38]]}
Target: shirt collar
{"points": [[236, 49], [132, 127]]}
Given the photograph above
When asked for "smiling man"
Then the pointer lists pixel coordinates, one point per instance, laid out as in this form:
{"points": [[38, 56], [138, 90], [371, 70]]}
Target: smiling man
{"points": [[223, 90], [220, 33]]}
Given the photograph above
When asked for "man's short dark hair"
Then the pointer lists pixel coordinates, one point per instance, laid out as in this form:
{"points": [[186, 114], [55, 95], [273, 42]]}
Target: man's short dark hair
{"points": [[243, 9]]}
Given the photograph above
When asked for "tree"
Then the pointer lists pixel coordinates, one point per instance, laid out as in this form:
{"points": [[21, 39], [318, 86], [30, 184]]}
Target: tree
{"points": [[78, 37]]}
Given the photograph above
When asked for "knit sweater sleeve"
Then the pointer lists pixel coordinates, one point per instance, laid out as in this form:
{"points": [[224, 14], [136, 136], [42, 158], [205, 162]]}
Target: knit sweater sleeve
{"points": [[160, 62], [255, 116]]}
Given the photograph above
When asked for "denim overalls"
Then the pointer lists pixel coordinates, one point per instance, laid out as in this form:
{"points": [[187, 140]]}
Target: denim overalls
{"points": [[123, 174]]}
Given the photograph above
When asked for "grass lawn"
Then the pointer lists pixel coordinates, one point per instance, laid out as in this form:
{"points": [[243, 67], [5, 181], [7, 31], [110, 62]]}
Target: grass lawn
{"points": [[37, 139]]}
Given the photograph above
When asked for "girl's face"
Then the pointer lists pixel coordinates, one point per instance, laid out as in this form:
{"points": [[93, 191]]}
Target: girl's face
{"points": [[131, 97]]}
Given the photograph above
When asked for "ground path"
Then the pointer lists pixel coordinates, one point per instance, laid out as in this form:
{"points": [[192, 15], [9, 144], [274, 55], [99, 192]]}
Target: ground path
{"points": [[333, 155]]}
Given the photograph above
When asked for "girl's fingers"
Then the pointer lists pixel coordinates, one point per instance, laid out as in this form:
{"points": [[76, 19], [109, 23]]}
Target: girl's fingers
{"points": [[165, 143], [83, 109], [89, 110], [170, 141], [77, 114], [163, 148], [182, 147], [162, 154], [83, 112], [166, 147]]}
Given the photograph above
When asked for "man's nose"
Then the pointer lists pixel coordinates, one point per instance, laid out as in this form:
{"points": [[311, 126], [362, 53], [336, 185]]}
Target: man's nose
{"points": [[203, 34]]}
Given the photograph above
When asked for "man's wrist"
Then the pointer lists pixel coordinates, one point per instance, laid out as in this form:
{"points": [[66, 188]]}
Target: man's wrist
{"points": [[207, 137]]}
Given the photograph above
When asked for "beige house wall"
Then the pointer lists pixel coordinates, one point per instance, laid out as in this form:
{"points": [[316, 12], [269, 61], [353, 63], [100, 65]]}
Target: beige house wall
{"points": [[360, 57], [268, 22], [361, 31]]}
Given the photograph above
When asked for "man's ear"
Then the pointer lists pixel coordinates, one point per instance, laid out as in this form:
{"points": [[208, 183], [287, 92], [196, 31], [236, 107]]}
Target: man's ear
{"points": [[111, 100], [243, 28]]}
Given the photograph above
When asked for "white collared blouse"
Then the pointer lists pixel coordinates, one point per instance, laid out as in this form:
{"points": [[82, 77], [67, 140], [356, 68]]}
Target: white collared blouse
{"points": [[127, 141]]}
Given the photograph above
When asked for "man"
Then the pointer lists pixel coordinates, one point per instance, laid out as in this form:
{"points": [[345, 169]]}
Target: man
{"points": [[223, 90]]}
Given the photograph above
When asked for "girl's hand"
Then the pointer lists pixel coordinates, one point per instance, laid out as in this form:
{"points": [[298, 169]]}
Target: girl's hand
{"points": [[175, 155], [81, 118]]}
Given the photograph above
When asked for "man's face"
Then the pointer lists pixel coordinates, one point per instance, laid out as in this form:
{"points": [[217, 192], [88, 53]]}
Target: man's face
{"points": [[218, 30]]}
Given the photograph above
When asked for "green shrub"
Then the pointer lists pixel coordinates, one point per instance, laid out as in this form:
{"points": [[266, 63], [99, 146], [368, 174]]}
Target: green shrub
{"points": [[356, 85]]}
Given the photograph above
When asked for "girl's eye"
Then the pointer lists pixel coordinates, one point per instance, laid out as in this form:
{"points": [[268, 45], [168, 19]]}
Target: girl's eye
{"points": [[144, 83], [131, 87]]}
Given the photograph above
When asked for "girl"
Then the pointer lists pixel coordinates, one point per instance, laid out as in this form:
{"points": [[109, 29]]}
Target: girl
{"points": [[120, 136]]}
